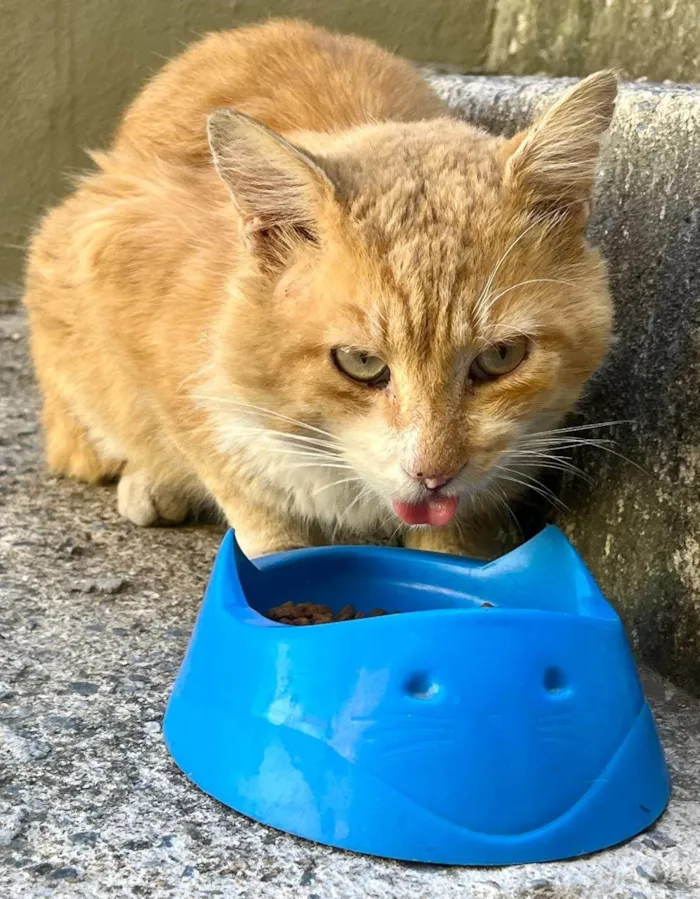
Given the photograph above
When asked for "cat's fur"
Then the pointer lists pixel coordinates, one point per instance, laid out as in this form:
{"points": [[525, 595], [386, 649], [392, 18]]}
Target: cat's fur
{"points": [[183, 310]]}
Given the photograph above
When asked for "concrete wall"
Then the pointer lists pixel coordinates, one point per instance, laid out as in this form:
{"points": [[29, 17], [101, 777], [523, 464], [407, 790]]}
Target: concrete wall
{"points": [[68, 66], [659, 39], [638, 524]]}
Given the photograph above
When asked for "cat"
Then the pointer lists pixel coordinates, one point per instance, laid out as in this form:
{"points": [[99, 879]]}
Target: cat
{"points": [[299, 287]]}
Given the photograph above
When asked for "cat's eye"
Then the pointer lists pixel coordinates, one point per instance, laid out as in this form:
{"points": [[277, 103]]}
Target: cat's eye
{"points": [[361, 366], [499, 359]]}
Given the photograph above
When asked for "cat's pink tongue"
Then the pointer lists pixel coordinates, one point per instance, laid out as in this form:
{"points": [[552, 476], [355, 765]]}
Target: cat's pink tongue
{"points": [[436, 511]]}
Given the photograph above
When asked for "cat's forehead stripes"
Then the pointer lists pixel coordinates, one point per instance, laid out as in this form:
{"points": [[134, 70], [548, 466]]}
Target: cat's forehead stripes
{"points": [[442, 298], [426, 210], [495, 276]]}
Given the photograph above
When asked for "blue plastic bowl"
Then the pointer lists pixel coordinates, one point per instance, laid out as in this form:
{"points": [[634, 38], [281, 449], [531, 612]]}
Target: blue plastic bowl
{"points": [[455, 734]]}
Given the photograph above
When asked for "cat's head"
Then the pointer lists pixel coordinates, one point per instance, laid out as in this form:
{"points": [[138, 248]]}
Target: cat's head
{"points": [[422, 293]]}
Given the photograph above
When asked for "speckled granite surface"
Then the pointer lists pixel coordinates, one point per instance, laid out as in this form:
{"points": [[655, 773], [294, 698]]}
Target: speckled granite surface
{"points": [[94, 619]]}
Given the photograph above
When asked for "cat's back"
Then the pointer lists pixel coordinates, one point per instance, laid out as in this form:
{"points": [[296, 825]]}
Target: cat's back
{"points": [[288, 74]]}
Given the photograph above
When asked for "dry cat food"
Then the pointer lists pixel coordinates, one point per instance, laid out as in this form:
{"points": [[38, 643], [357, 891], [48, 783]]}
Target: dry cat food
{"points": [[302, 613]]}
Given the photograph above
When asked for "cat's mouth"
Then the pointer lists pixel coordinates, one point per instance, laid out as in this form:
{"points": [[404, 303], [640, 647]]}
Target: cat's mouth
{"points": [[436, 511]]}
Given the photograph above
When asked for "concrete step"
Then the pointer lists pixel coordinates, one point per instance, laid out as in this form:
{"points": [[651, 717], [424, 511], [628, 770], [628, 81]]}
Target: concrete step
{"points": [[640, 532]]}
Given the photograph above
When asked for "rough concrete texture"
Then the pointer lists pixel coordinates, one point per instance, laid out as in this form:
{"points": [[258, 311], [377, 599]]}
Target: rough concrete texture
{"points": [[639, 530], [68, 67], [659, 39], [94, 620]]}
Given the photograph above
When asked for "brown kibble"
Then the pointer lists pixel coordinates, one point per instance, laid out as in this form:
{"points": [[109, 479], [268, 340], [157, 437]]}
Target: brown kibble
{"points": [[312, 610], [284, 611], [347, 613], [324, 611], [306, 613]]}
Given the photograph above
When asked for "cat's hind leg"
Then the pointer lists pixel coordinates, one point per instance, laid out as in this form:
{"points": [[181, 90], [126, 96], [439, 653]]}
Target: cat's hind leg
{"points": [[69, 451]]}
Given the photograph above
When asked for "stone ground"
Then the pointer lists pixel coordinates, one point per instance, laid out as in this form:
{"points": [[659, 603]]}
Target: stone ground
{"points": [[94, 620]]}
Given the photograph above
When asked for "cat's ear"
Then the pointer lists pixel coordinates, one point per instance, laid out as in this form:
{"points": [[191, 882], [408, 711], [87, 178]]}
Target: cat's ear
{"points": [[552, 165], [278, 189]]}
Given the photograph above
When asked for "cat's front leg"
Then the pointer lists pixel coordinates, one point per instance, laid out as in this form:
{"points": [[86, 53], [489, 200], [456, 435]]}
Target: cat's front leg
{"points": [[476, 541], [261, 531], [147, 501]]}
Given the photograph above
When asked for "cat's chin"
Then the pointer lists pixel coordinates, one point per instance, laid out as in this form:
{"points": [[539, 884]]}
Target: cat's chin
{"points": [[435, 511]]}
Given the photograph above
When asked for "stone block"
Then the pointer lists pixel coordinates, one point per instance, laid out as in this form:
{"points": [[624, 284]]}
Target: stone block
{"points": [[637, 527]]}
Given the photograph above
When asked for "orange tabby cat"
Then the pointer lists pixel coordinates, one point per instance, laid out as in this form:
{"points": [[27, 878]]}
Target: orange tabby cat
{"points": [[298, 287]]}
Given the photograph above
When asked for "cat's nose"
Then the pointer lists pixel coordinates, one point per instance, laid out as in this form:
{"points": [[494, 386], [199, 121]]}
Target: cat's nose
{"points": [[432, 481]]}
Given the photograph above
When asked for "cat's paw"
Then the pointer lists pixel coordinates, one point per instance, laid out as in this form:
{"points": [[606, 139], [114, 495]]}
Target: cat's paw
{"points": [[146, 503], [254, 546], [483, 545]]}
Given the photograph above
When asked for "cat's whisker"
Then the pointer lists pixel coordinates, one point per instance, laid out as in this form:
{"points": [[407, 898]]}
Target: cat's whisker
{"points": [[503, 501], [396, 530], [295, 421], [531, 484], [566, 442], [336, 484], [385, 522], [587, 427], [364, 492], [567, 438], [322, 465], [545, 460], [270, 432], [550, 460], [243, 404], [578, 443], [457, 525], [281, 441], [490, 301], [623, 457], [291, 444], [280, 451], [541, 453], [570, 444], [552, 466], [499, 499], [287, 435], [489, 282]]}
